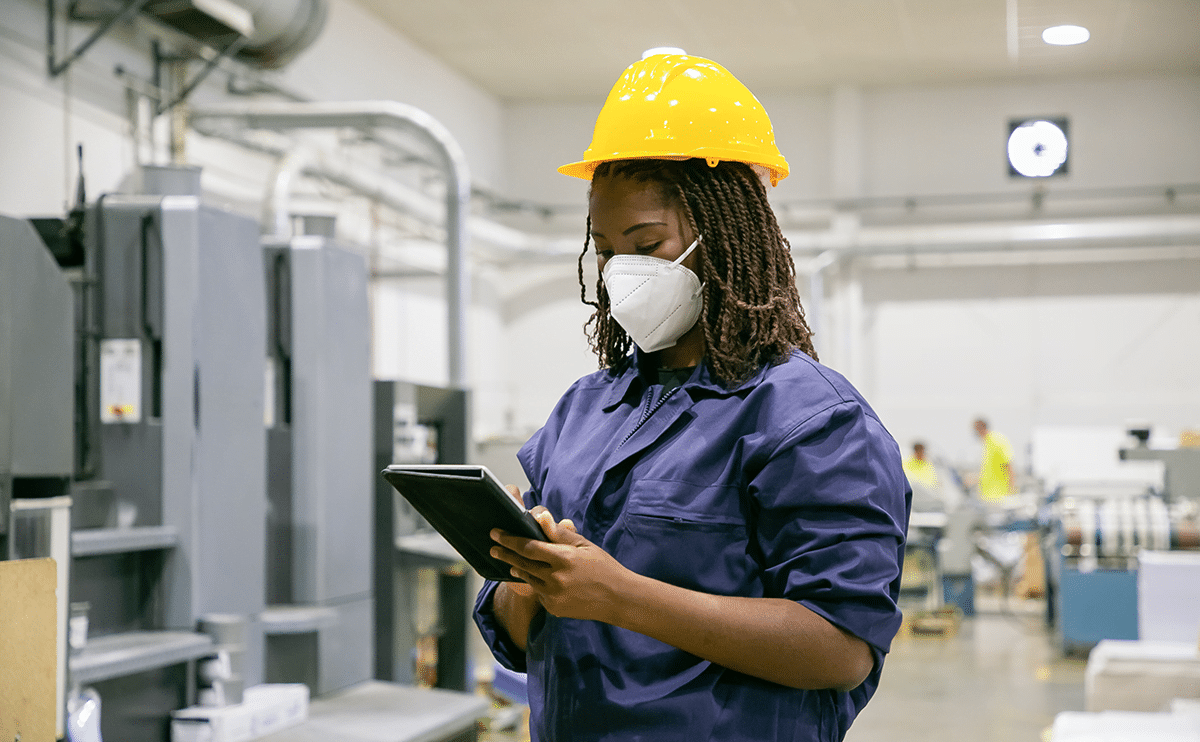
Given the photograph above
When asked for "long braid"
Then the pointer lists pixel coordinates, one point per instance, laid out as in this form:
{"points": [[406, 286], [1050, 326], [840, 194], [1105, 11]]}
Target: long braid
{"points": [[608, 340], [752, 314]]}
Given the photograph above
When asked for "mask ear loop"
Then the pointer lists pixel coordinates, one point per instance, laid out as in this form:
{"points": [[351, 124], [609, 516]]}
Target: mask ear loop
{"points": [[687, 252], [679, 261]]}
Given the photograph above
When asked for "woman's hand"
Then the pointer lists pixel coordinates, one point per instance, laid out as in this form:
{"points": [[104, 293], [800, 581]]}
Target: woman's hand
{"points": [[770, 638], [570, 576], [514, 603]]}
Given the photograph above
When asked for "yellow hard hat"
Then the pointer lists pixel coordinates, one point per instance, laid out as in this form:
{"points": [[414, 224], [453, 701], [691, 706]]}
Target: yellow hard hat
{"points": [[676, 106]]}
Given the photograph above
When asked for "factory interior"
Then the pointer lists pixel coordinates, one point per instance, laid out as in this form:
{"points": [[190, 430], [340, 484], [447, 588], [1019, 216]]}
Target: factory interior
{"points": [[253, 252]]}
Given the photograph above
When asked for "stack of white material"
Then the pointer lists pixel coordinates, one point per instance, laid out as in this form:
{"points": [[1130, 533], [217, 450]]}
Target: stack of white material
{"points": [[265, 709], [1181, 723], [1169, 596], [1141, 675]]}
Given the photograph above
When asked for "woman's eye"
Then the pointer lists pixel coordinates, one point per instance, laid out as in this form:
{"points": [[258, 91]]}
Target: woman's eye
{"points": [[649, 248], [604, 254]]}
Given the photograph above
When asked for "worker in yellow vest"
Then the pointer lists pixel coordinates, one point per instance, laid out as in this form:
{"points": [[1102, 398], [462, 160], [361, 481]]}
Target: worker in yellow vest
{"points": [[995, 469], [919, 469]]}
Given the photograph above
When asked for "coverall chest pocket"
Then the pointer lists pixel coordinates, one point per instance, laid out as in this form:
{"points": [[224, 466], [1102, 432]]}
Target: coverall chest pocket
{"points": [[689, 535]]}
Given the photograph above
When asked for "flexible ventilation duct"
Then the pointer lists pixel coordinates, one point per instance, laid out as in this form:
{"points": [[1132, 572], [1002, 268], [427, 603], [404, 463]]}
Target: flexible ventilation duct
{"points": [[282, 29], [276, 31]]}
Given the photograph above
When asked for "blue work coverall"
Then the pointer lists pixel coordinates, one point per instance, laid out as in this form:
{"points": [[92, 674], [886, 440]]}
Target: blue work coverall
{"points": [[787, 486]]}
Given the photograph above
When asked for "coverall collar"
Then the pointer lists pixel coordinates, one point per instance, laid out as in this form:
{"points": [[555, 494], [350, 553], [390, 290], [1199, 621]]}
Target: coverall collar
{"points": [[642, 372]]}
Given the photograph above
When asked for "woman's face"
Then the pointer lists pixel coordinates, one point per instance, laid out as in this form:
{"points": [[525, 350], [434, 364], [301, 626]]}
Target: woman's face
{"points": [[633, 218]]}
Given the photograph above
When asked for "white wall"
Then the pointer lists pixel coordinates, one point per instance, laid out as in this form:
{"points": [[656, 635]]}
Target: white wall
{"points": [[42, 120], [1029, 347], [947, 140]]}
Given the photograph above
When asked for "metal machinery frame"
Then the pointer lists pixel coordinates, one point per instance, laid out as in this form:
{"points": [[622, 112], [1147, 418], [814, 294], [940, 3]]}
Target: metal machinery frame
{"points": [[177, 499], [318, 420], [36, 412], [1097, 535], [405, 545]]}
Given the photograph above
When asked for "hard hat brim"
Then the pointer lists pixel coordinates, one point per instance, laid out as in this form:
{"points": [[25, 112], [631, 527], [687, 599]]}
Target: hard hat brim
{"points": [[585, 169]]}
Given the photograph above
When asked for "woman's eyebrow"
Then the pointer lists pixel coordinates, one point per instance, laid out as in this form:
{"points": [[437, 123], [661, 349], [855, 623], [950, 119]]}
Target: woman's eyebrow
{"points": [[643, 225], [634, 228]]}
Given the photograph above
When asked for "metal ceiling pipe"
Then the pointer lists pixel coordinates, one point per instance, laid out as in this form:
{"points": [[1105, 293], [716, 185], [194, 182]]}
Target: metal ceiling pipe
{"points": [[846, 239], [1133, 231], [386, 115], [277, 213], [815, 311], [316, 162]]}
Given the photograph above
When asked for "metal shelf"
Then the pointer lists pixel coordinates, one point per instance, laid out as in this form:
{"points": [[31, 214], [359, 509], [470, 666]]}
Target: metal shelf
{"points": [[296, 619], [383, 712], [97, 541], [430, 546], [118, 655]]}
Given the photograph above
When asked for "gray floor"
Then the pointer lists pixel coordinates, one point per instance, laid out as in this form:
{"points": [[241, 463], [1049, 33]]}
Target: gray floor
{"points": [[997, 678]]}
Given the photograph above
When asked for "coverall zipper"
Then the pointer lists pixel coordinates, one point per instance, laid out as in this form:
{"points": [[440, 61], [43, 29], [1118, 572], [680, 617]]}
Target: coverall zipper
{"points": [[647, 411]]}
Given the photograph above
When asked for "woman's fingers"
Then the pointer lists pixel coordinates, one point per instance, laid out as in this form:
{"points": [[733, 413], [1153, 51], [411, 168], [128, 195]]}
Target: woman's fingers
{"points": [[529, 580], [517, 559]]}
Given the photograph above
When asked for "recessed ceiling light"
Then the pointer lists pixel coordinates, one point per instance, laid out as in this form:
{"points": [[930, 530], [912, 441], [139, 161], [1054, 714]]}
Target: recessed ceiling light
{"points": [[1065, 35], [662, 50]]}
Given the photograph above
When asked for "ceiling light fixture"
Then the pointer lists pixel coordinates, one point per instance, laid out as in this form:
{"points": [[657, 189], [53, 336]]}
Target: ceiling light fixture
{"points": [[662, 50], [1065, 35]]}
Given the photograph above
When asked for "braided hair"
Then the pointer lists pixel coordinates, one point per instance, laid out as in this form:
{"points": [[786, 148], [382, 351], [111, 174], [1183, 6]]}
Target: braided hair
{"points": [[752, 314]]}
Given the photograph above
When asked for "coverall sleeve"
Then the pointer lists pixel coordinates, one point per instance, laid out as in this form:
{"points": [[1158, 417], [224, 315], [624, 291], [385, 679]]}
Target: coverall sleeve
{"points": [[506, 652], [833, 506]]}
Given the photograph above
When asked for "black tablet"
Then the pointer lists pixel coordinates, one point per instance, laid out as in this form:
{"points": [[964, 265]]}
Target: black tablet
{"points": [[464, 503]]}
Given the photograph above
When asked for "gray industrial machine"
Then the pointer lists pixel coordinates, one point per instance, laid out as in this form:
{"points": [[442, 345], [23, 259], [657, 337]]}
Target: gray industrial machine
{"points": [[170, 512], [1098, 533], [318, 419], [418, 424], [36, 410], [1181, 466]]}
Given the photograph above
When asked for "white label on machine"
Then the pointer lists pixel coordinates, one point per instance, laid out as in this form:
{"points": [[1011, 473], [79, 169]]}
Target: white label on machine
{"points": [[269, 399], [120, 381], [412, 443]]}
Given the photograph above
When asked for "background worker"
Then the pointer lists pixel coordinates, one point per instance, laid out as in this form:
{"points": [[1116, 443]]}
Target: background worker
{"points": [[919, 469], [726, 516], [996, 479]]}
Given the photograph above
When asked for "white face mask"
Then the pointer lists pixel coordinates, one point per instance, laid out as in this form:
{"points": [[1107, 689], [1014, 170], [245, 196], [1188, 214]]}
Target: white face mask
{"points": [[655, 300]]}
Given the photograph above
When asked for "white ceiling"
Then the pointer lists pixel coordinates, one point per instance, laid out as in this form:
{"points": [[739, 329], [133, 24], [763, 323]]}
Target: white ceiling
{"points": [[575, 49]]}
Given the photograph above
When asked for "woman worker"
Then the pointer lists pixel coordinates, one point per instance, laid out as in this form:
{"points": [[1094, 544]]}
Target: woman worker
{"points": [[726, 516]]}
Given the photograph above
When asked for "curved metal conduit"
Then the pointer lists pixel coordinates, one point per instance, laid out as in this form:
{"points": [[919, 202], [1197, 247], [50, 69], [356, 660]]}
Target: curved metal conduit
{"points": [[374, 115]]}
